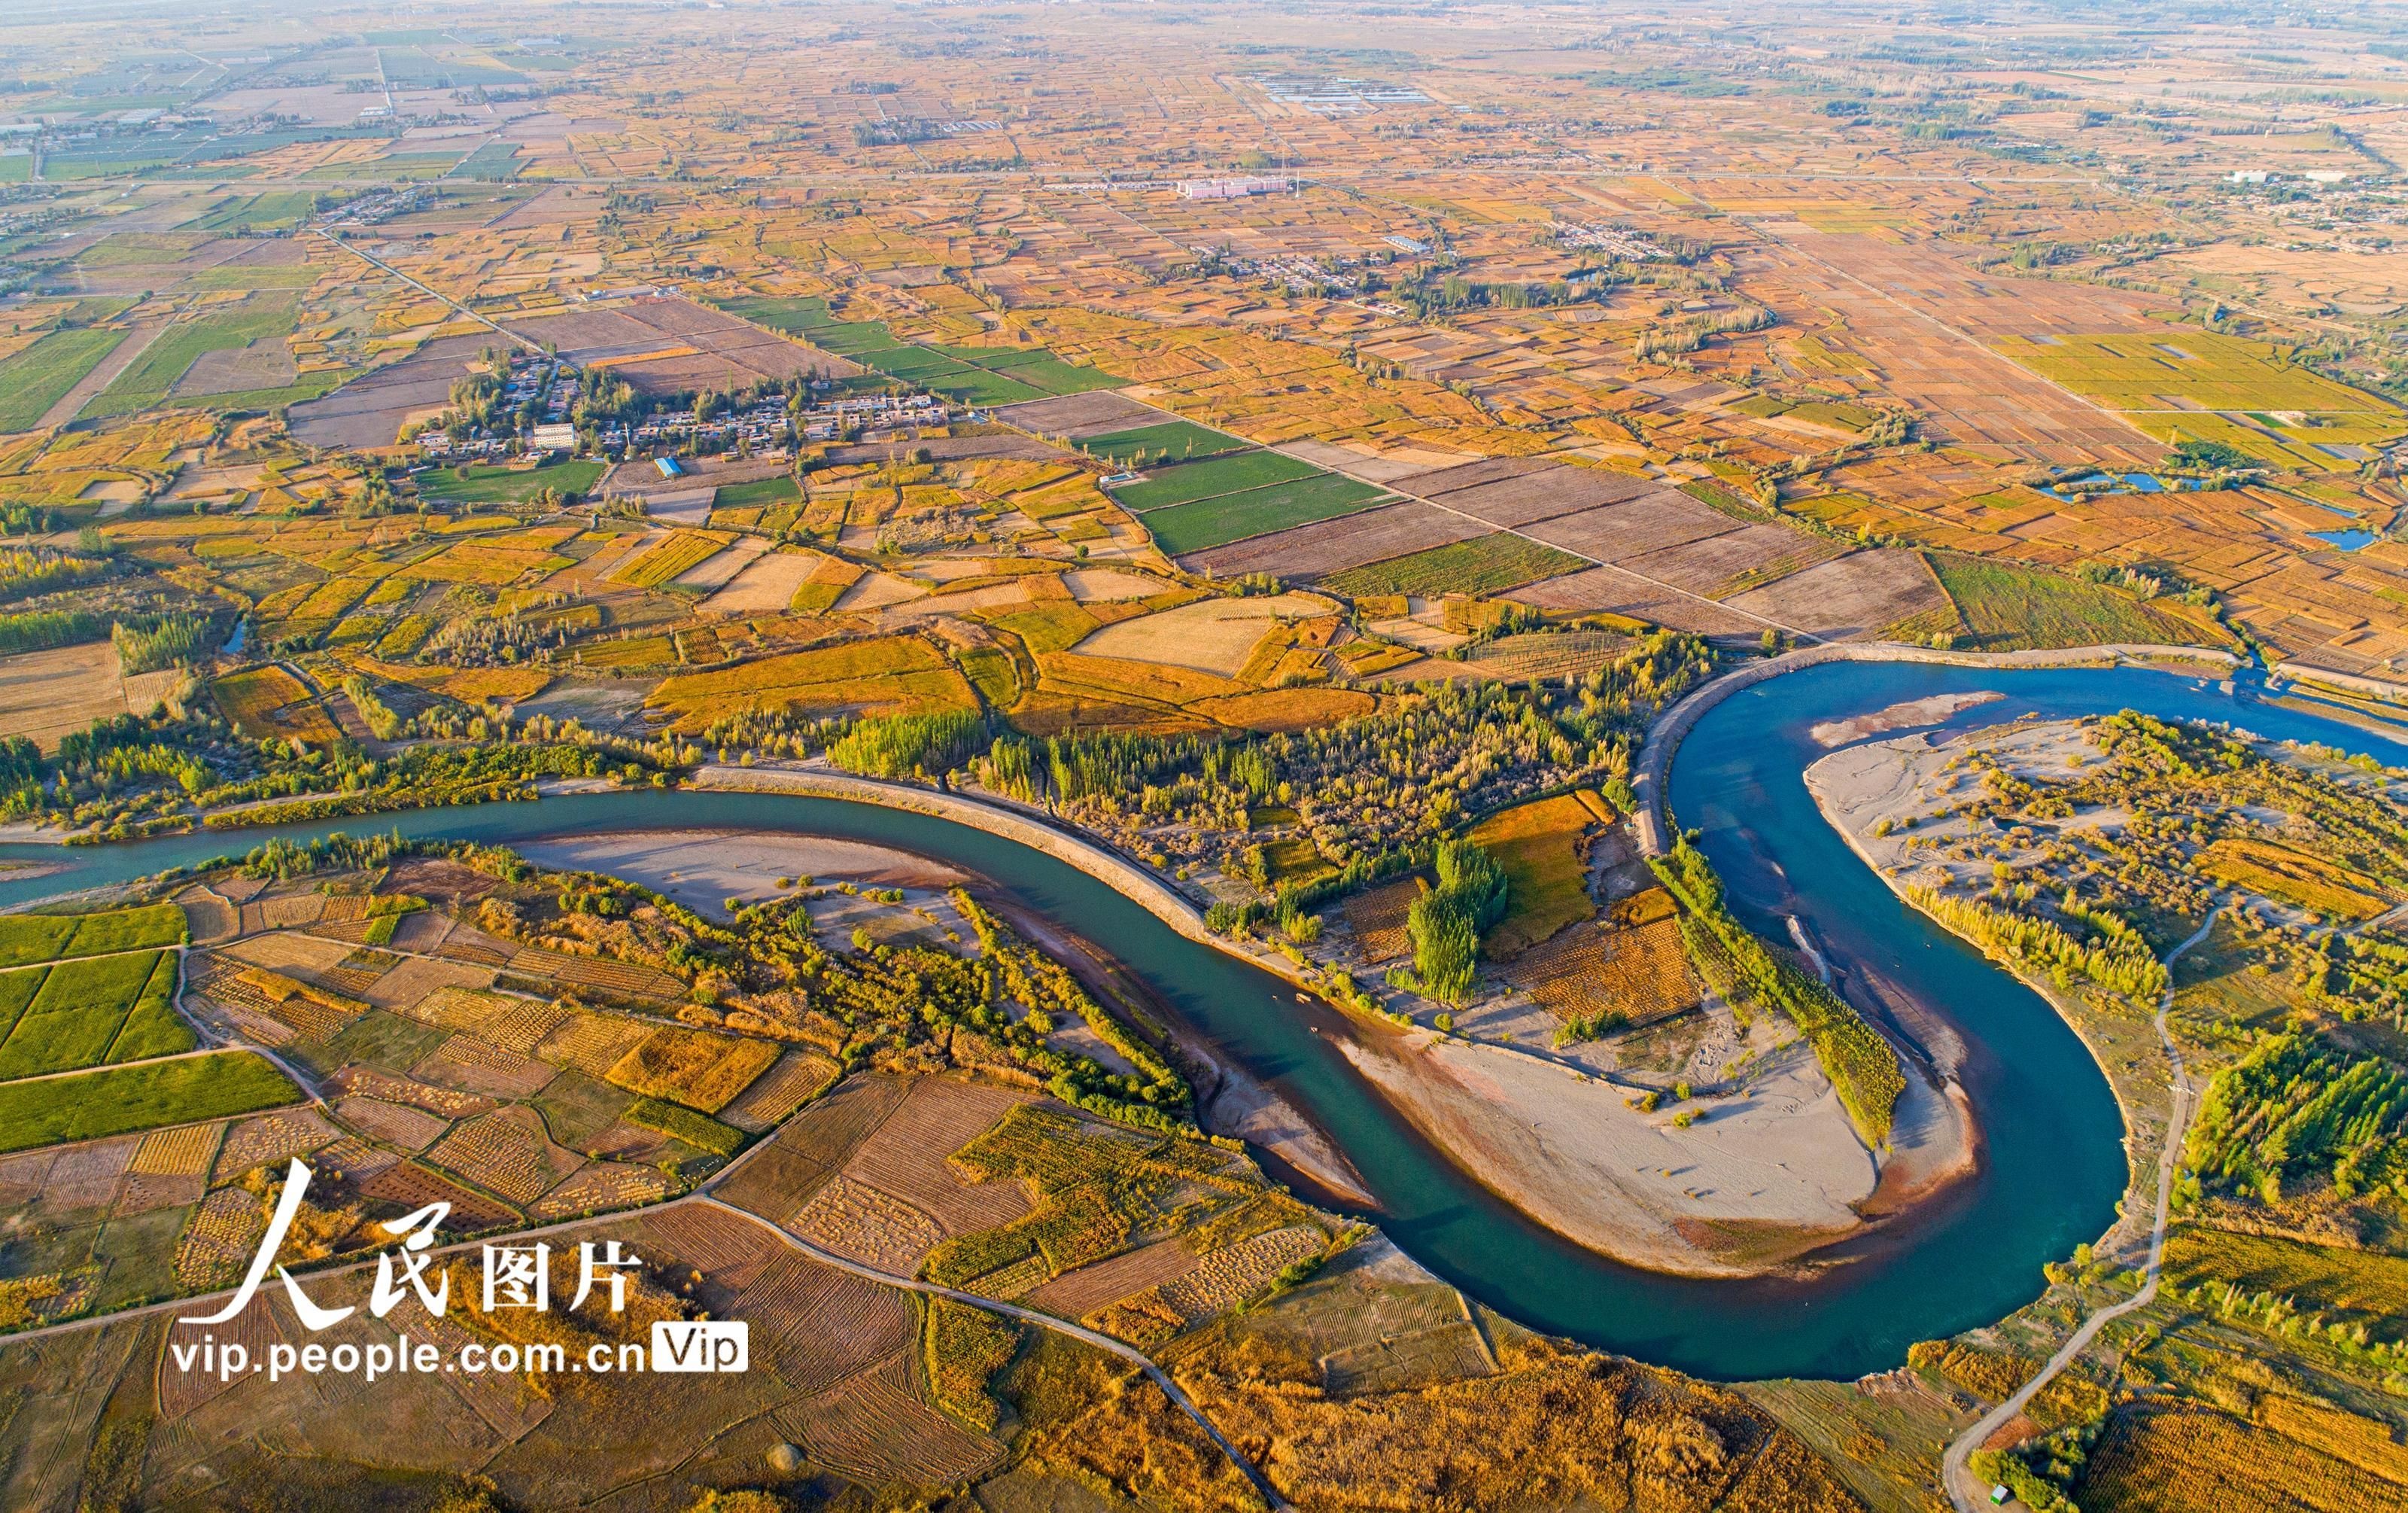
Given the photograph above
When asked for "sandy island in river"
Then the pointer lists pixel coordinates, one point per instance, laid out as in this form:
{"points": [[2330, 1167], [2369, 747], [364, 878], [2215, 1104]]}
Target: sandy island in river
{"points": [[1757, 1179], [701, 869], [1769, 1169]]}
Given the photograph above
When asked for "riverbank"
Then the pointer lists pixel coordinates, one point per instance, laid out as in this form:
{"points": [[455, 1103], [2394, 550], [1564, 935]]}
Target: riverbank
{"points": [[1745, 1186], [1881, 787], [1648, 780]]}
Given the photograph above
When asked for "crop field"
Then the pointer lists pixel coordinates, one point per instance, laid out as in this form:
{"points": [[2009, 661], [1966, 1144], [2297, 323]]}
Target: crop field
{"points": [[147, 380], [864, 1224], [1483, 565], [30, 938], [1228, 474], [1623, 975], [1169, 441], [33, 380], [1214, 635], [1078, 416], [666, 345], [907, 1153], [2293, 876], [1202, 523], [506, 1153], [2161, 1459], [890, 675], [89, 1011], [268, 703], [2007, 608], [776, 489], [503, 485], [700, 1070], [2368, 1284], [1377, 917], [119, 1099], [1549, 654], [1542, 847], [2154, 372], [684, 550], [45, 695]]}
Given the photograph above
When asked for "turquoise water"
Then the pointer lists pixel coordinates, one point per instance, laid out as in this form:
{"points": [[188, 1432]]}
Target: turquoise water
{"points": [[2053, 1164], [2348, 540]]}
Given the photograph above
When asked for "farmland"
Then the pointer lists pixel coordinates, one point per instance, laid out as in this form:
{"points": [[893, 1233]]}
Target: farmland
{"points": [[91, 1012], [1544, 850], [1304, 451], [114, 1099], [1210, 479], [496, 485], [33, 380], [2005, 608], [1485, 564], [899, 675]]}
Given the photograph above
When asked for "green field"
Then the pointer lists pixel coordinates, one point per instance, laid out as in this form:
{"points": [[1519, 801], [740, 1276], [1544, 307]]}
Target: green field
{"points": [[2007, 609], [854, 339], [1256, 511], [966, 375], [791, 316], [1483, 565], [760, 490], [89, 1012], [147, 380], [500, 485], [271, 211], [256, 276], [39, 377], [119, 1099], [977, 386], [391, 168], [1174, 440], [1206, 480], [30, 938], [493, 162], [1048, 374]]}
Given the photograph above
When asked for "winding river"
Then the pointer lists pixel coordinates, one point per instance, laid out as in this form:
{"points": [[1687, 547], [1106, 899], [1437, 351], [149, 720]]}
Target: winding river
{"points": [[2053, 1164]]}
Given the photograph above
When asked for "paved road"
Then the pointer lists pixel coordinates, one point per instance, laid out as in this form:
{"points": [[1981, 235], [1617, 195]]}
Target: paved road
{"points": [[382, 265], [1965, 1490]]}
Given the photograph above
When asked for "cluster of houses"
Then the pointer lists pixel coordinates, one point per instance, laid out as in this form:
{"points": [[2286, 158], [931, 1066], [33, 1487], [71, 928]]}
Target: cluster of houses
{"points": [[765, 429], [378, 205]]}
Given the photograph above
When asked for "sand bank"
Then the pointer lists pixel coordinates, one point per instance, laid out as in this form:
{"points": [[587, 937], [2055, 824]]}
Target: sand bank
{"points": [[1755, 1180], [701, 869]]}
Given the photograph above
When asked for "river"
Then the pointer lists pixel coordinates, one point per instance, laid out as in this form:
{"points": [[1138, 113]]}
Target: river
{"points": [[2052, 1163]]}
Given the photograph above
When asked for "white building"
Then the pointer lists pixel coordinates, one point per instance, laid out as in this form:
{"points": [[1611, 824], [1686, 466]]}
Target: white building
{"points": [[1230, 188]]}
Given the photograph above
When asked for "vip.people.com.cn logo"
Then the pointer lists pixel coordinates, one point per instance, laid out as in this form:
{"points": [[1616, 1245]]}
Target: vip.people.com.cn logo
{"points": [[514, 1277]]}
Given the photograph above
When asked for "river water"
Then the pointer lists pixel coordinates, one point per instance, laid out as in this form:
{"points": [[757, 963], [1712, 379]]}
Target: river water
{"points": [[2053, 1164]]}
